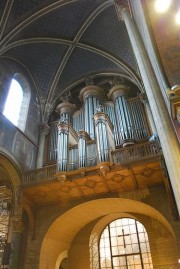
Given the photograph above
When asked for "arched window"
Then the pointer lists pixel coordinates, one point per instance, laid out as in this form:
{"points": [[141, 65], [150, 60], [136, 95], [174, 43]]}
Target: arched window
{"points": [[124, 245], [17, 102], [13, 102]]}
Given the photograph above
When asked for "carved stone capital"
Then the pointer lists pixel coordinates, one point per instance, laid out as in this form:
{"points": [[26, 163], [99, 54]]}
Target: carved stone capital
{"points": [[120, 9], [44, 129], [143, 98]]}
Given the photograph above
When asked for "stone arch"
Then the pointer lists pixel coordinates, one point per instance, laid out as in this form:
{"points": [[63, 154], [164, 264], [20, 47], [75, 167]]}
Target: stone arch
{"points": [[63, 230], [60, 258], [11, 169]]}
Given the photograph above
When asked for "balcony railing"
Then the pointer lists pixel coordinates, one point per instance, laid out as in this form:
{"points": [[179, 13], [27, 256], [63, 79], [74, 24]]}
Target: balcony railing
{"points": [[138, 152], [40, 175]]}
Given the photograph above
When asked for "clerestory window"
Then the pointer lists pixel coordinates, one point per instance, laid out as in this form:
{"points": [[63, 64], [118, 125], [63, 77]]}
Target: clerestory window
{"points": [[124, 244], [13, 102], [17, 102]]}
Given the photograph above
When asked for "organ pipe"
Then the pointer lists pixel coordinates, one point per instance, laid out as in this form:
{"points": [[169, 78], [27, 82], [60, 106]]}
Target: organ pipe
{"points": [[91, 96], [125, 127], [102, 136], [62, 150], [137, 114], [96, 129]]}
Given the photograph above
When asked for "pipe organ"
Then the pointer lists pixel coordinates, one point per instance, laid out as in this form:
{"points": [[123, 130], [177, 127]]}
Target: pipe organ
{"points": [[87, 136]]}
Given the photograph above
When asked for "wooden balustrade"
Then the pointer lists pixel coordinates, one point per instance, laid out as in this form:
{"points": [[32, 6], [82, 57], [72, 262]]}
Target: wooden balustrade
{"points": [[40, 175], [138, 152]]}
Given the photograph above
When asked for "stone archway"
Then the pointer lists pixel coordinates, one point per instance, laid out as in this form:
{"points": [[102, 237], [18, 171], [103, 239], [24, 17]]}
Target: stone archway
{"points": [[63, 230]]}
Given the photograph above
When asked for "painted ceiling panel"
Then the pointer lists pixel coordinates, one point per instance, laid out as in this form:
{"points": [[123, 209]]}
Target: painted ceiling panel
{"points": [[83, 63], [2, 5], [109, 34], [64, 21], [44, 66]]}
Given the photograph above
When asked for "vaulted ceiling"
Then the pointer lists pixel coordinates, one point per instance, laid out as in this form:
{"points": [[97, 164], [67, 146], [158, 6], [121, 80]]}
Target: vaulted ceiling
{"points": [[61, 43]]}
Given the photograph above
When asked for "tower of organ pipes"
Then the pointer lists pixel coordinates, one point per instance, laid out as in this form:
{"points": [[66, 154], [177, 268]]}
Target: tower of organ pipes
{"points": [[107, 120], [104, 134], [65, 111], [119, 95], [91, 96]]}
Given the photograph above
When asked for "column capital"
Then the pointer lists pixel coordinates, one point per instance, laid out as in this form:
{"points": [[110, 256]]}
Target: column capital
{"points": [[66, 107], [120, 9], [118, 90], [143, 98], [91, 90], [44, 128]]}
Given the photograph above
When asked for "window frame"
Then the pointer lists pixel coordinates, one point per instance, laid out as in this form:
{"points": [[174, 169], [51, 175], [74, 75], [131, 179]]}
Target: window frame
{"points": [[24, 107], [124, 255]]}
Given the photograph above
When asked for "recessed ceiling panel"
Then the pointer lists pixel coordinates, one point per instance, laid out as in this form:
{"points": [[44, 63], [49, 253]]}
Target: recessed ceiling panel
{"points": [[62, 22], [84, 63], [2, 5], [109, 34], [42, 60]]}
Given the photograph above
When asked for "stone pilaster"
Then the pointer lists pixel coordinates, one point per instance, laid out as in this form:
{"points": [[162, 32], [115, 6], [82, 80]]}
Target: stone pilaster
{"points": [[44, 130]]}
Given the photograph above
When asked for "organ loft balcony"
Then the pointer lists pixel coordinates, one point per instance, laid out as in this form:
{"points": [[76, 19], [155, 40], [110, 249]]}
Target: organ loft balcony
{"points": [[103, 145], [134, 168]]}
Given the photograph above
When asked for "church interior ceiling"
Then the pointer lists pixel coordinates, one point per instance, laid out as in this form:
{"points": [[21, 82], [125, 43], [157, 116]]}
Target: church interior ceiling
{"points": [[61, 43]]}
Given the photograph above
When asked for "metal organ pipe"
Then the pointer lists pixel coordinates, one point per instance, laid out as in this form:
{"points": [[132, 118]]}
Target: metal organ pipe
{"points": [[65, 111], [101, 136], [140, 126], [62, 152], [83, 137], [90, 95], [119, 93], [109, 110]]}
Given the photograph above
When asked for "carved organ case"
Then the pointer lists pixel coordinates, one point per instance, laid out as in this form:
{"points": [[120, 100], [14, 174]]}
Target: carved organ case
{"points": [[87, 135]]}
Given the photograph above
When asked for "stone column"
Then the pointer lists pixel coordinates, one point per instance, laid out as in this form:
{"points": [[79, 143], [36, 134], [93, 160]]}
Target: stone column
{"points": [[144, 100], [118, 94], [17, 227], [167, 136], [91, 95], [44, 130]]}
